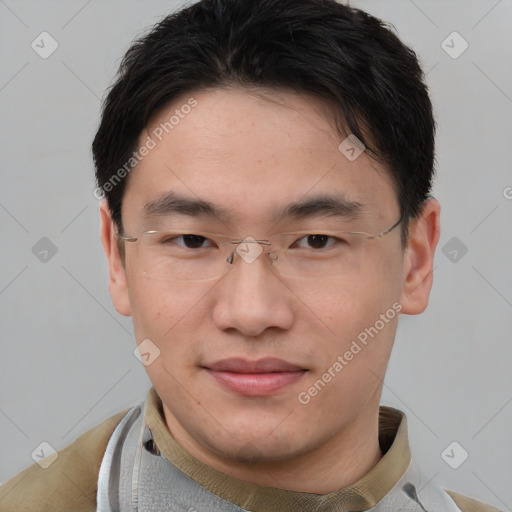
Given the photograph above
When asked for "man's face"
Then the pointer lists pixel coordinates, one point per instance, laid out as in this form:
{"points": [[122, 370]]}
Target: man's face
{"points": [[251, 158]]}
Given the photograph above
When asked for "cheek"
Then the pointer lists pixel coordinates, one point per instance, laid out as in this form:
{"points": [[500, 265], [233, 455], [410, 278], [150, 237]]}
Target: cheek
{"points": [[162, 310], [344, 305], [168, 316], [350, 309]]}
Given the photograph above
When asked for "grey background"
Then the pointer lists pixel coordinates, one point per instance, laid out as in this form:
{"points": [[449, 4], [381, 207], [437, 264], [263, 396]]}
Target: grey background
{"points": [[66, 356]]}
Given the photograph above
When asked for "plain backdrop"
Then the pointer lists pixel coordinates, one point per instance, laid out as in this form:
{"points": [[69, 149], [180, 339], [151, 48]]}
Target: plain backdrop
{"points": [[67, 358]]}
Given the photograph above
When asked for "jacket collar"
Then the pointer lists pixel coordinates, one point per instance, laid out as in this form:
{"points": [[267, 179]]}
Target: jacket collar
{"points": [[362, 495]]}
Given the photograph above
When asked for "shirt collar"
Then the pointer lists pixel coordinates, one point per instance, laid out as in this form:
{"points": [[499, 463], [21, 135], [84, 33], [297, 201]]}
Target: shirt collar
{"points": [[360, 496]]}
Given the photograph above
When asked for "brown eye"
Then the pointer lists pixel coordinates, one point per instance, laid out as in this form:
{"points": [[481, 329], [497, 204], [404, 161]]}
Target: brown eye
{"points": [[193, 241], [315, 241], [186, 241]]}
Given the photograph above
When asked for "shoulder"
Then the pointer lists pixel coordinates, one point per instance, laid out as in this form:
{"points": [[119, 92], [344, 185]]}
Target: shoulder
{"points": [[467, 504], [69, 483]]}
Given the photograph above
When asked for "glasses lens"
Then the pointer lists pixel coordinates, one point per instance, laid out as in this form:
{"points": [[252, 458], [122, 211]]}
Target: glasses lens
{"points": [[176, 256], [319, 255]]}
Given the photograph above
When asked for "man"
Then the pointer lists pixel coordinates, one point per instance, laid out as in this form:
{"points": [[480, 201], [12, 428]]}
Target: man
{"points": [[266, 167]]}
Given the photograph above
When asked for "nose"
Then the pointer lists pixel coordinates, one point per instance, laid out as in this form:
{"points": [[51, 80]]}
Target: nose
{"points": [[252, 297]]}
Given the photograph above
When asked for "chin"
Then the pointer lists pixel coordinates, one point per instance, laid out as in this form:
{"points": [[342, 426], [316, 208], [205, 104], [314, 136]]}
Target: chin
{"points": [[257, 448]]}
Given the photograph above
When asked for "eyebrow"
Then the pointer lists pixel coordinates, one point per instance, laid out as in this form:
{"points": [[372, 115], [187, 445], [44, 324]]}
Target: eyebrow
{"points": [[325, 205], [172, 203]]}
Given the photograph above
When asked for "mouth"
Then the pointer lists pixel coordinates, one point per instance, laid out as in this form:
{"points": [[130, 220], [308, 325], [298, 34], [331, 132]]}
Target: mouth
{"points": [[255, 378]]}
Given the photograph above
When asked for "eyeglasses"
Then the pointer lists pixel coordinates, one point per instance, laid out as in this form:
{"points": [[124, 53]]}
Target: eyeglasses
{"points": [[185, 255]]}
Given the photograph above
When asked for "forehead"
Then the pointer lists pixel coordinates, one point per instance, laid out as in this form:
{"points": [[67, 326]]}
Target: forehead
{"points": [[252, 153]]}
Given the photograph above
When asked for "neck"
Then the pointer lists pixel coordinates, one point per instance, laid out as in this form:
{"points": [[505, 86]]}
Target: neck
{"points": [[337, 463]]}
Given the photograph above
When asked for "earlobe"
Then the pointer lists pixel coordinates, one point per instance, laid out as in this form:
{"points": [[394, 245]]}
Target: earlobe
{"points": [[117, 277], [424, 234]]}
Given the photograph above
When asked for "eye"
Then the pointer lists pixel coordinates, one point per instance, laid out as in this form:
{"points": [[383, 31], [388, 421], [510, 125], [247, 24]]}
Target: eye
{"points": [[188, 241], [319, 241]]}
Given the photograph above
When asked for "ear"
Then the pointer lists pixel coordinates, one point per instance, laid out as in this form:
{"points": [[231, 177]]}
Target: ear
{"points": [[424, 234], [117, 281]]}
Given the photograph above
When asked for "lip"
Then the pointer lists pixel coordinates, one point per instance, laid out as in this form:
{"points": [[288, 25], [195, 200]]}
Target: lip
{"points": [[255, 378]]}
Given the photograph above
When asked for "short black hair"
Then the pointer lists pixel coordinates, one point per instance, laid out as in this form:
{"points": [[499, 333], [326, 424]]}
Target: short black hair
{"points": [[339, 53]]}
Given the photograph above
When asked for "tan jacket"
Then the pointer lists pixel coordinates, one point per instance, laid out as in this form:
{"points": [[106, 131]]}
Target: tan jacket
{"points": [[70, 483]]}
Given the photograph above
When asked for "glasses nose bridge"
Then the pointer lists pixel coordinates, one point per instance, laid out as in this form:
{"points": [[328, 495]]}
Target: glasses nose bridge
{"points": [[250, 253]]}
